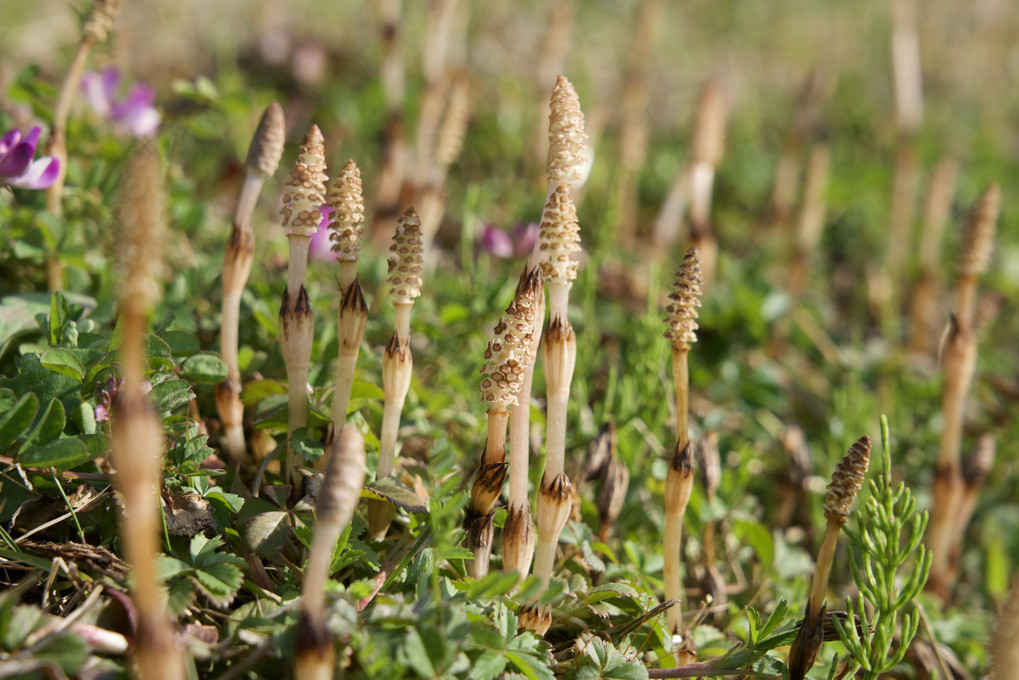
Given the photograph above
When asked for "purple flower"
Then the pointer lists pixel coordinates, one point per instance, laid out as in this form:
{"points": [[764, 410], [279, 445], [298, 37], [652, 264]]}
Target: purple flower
{"points": [[17, 169], [320, 247], [498, 243], [133, 115]]}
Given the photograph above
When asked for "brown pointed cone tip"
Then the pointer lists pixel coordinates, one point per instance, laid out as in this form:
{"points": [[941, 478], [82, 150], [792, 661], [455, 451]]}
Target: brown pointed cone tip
{"points": [[559, 235], [507, 355], [555, 501], [847, 480], [535, 618], [566, 136], [709, 134], [267, 143], [346, 198], [488, 486], [979, 238], [685, 299], [140, 217], [531, 284], [304, 192], [99, 20], [406, 259]]}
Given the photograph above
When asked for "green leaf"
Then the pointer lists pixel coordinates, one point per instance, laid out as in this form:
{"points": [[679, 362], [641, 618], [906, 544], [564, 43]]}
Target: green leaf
{"points": [[257, 390], [47, 427], [488, 666], [181, 344], [204, 369], [17, 419], [531, 667], [57, 317], [221, 581], [17, 316], [61, 454], [416, 656], [64, 362], [268, 532], [493, 584], [45, 384], [84, 416], [397, 495], [306, 448], [171, 394], [66, 650]]}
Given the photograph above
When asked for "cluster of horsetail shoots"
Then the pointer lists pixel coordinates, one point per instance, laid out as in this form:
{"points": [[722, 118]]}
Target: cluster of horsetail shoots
{"points": [[558, 242], [346, 232], [262, 162], [838, 503], [682, 320], [506, 360], [958, 356], [137, 431], [559, 237], [518, 534], [337, 500], [406, 264], [303, 193]]}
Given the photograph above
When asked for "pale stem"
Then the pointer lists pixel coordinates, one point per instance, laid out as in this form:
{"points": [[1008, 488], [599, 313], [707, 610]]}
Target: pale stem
{"points": [[228, 336], [495, 447], [402, 319], [297, 414], [681, 381], [555, 437], [348, 273], [250, 190], [672, 568], [670, 216], [297, 267], [345, 366], [317, 570], [822, 570], [519, 435], [544, 561], [558, 298]]}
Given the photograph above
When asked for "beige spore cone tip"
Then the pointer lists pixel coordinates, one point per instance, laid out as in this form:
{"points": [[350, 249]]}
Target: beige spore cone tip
{"points": [[980, 233], [305, 190], [406, 259], [686, 298], [506, 357], [566, 136], [99, 21], [267, 143], [346, 198], [847, 480], [559, 236]]}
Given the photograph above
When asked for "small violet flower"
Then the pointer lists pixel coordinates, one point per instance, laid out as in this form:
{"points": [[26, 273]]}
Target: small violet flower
{"points": [[17, 169], [320, 247], [498, 243], [133, 115]]}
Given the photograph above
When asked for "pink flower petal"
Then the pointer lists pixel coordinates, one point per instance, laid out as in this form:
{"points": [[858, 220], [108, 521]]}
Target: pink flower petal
{"points": [[496, 242], [41, 174]]}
